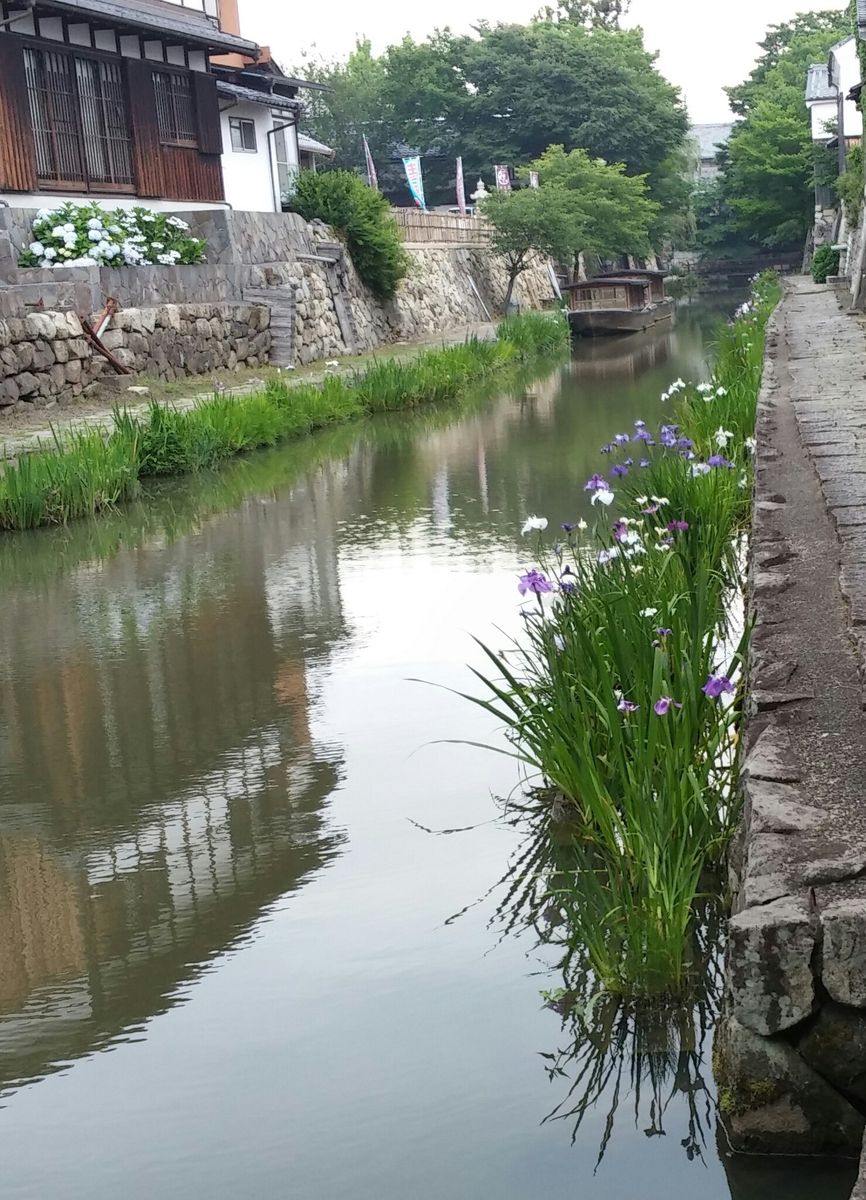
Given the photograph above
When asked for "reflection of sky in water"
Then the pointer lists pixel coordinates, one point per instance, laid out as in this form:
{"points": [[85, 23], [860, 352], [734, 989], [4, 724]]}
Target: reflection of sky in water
{"points": [[215, 760]]}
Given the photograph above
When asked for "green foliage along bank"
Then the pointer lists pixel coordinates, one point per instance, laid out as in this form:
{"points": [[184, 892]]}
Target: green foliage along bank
{"points": [[87, 472], [765, 193], [361, 217], [622, 695]]}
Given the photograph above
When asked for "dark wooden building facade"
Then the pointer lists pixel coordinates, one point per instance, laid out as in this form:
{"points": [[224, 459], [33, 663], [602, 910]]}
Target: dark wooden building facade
{"points": [[106, 98]]}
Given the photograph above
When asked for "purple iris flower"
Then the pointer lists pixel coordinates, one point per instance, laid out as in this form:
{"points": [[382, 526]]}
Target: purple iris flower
{"points": [[598, 483], [607, 449], [620, 469], [685, 444], [718, 685], [678, 526], [668, 440], [621, 439], [627, 706], [719, 460], [644, 462], [569, 587], [628, 462], [663, 633], [640, 424], [568, 526], [620, 529], [642, 435], [663, 706], [536, 582], [651, 511]]}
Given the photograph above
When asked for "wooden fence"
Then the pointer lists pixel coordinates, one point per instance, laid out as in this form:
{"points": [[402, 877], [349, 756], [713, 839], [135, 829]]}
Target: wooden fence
{"points": [[419, 228]]}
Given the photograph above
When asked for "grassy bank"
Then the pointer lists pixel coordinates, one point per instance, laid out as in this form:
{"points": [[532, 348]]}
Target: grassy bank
{"points": [[87, 472], [622, 697]]}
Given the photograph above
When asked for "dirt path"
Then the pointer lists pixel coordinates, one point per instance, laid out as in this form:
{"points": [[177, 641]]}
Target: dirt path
{"points": [[35, 428]]}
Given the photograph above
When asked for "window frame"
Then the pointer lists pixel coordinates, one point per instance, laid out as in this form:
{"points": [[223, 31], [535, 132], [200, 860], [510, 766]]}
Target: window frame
{"points": [[83, 181], [239, 124], [188, 139]]}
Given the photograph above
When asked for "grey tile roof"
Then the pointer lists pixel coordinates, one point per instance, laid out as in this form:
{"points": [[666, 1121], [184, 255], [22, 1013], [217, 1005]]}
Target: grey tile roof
{"points": [[311, 146], [861, 16], [818, 83], [709, 138], [167, 19], [271, 99]]}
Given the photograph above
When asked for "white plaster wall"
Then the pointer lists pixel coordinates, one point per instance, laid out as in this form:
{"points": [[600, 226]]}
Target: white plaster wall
{"points": [[846, 72], [247, 177], [824, 117], [55, 199]]}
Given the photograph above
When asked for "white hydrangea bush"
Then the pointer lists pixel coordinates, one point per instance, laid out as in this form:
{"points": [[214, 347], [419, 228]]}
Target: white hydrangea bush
{"points": [[87, 235]]}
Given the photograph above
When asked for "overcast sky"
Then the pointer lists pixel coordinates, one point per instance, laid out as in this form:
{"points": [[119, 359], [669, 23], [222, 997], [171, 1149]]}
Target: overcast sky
{"points": [[702, 46]]}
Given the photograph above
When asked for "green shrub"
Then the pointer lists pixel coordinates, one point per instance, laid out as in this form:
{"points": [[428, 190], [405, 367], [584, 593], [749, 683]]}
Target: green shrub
{"points": [[825, 262], [361, 217], [850, 185]]}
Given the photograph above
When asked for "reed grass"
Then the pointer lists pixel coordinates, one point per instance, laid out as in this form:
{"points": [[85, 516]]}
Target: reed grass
{"points": [[86, 473], [610, 694]]}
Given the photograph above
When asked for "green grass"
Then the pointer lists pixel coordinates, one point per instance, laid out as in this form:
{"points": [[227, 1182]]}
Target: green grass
{"points": [[629, 809], [88, 473]]}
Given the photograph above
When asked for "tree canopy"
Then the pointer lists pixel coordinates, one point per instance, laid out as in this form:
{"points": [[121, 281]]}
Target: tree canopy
{"points": [[768, 172], [584, 204], [504, 95]]}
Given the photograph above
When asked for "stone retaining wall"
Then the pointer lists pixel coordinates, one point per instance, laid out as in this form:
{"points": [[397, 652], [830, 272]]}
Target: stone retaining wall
{"points": [[46, 359], [790, 1051]]}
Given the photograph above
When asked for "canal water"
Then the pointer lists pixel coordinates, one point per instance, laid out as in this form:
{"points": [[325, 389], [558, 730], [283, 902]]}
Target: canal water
{"points": [[234, 831]]}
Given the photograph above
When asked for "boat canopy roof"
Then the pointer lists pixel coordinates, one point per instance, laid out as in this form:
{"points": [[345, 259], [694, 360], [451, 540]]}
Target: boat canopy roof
{"points": [[603, 281]]}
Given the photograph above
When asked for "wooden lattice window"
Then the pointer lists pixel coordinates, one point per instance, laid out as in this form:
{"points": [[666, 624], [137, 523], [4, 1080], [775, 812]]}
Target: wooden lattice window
{"points": [[175, 108], [80, 121]]}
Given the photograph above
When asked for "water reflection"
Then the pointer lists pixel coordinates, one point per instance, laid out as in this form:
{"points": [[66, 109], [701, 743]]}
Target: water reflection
{"points": [[161, 786], [649, 1059], [209, 755]]}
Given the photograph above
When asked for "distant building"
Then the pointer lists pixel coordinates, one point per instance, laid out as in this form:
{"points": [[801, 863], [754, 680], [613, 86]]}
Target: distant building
{"points": [[707, 141], [832, 113]]}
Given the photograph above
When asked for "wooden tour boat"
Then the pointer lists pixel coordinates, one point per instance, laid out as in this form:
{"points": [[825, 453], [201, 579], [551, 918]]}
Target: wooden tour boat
{"points": [[624, 301]]}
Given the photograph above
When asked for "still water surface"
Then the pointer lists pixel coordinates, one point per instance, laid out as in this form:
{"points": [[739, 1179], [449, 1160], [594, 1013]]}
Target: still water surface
{"points": [[226, 966]]}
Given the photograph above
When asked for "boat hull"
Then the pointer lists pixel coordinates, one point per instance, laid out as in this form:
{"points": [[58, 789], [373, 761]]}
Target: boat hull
{"points": [[603, 322]]}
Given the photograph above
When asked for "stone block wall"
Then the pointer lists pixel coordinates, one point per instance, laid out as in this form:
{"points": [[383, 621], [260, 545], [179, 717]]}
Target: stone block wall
{"points": [[790, 1049], [45, 358], [174, 340]]}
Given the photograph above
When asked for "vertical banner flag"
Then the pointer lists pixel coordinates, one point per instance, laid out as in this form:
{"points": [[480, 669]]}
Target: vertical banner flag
{"points": [[372, 178], [503, 178], [533, 179], [461, 189], [412, 167]]}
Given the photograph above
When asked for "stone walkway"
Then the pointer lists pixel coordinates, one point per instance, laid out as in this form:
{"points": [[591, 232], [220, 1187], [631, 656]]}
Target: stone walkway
{"points": [[50, 424]]}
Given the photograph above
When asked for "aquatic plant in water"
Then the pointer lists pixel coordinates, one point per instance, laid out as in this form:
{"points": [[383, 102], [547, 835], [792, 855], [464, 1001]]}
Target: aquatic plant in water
{"points": [[621, 696]]}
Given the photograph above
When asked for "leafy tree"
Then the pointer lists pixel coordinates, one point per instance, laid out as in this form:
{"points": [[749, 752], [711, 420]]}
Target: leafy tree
{"points": [[531, 220], [611, 211], [770, 179], [505, 95], [770, 171], [592, 14], [351, 108], [788, 50]]}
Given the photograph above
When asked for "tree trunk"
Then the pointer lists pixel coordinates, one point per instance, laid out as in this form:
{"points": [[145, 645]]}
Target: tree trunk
{"points": [[512, 279]]}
